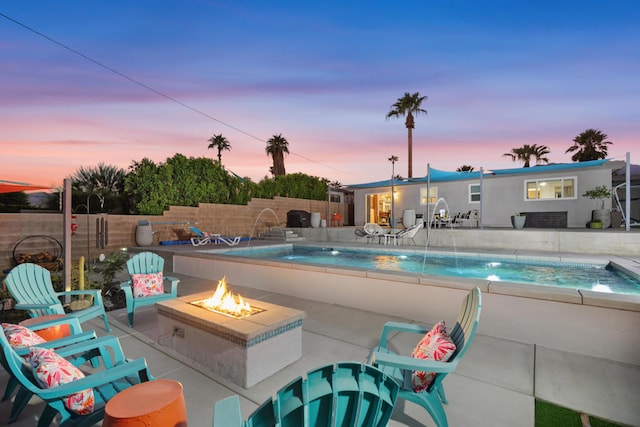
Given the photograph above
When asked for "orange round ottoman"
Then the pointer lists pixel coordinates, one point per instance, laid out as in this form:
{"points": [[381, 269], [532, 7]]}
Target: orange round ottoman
{"points": [[152, 403], [52, 333]]}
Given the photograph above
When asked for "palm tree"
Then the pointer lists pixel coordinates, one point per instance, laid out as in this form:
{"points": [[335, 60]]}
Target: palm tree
{"points": [[589, 145], [277, 146], [220, 143], [526, 152], [465, 168], [407, 106]]}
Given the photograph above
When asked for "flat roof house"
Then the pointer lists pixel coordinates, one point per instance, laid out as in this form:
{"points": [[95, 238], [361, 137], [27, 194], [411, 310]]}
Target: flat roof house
{"points": [[552, 193]]}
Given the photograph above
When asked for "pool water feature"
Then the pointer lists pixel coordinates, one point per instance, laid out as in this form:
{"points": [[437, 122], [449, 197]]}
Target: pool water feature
{"points": [[601, 277]]}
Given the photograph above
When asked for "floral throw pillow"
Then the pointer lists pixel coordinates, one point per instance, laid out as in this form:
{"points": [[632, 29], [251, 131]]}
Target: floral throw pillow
{"points": [[146, 285], [19, 336], [52, 370], [435, 345]]}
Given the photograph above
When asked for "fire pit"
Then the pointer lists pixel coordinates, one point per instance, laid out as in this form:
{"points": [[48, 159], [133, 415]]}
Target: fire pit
{"points": [[244, 348], [226, 303]]}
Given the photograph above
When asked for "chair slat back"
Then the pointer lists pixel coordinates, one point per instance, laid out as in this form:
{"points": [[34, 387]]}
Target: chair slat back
{"points": [[346, 393], [145, 263], [464, 329], [31, 284]]}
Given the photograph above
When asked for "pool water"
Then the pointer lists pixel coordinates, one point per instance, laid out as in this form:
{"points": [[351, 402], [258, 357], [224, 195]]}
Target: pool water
{"points": [[595, 277]]}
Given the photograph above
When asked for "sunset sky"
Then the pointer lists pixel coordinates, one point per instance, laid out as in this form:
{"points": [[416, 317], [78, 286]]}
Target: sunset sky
{"points": [[113, 81]]}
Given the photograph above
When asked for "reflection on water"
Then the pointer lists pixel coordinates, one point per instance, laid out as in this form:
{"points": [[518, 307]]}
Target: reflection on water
{"points": [[387, 262]]}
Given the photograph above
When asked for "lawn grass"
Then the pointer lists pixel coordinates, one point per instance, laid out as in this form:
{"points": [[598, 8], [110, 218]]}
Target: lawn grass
{"points": [[549, 415]]}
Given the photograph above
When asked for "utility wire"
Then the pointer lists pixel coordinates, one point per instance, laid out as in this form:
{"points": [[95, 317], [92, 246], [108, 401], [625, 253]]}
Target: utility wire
{"points": [[151, 89]]}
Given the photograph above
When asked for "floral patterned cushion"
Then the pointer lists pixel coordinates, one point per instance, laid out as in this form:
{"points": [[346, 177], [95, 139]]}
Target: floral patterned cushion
{"points": [[19, 336], [435, 345], [145, 285], [52, 370]]}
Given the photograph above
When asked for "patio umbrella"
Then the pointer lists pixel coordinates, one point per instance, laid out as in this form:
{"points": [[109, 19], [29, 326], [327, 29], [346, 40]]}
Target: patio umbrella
{"points": [[15, 187]]}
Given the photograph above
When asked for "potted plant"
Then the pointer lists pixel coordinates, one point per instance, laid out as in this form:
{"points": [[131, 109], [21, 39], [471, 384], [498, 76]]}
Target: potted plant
{"points": [[595, 224], [518, 220], [601, 214]]}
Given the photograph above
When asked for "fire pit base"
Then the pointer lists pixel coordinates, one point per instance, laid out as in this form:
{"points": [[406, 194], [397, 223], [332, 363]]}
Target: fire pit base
{"points": [[245, 351]]}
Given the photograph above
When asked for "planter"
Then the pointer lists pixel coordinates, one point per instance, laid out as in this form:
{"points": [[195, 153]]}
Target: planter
{"points": [[144, 235], [517, 221], [602, 215], [315, 219], [597, 224]]}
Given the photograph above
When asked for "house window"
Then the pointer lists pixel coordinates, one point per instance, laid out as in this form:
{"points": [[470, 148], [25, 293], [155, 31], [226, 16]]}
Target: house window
{"points": [[474, 193], [548, 189], [431, 198], [335, 198]]}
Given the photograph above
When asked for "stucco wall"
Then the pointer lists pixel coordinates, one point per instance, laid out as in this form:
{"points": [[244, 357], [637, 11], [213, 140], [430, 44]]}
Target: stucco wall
{"points": [[231, 220], [503, 196]]}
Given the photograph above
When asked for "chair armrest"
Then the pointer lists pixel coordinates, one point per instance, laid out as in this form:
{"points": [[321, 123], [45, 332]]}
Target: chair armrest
{"points": [[415, 364], [107, 347], [136, 367], [174, 285], [73, 322], [400, 327], [35, 306], [226, 412], [61, 342], [96, 294]]}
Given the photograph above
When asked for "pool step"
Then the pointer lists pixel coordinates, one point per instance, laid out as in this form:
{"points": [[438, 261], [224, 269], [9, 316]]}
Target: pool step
{"points": [[281, 235]]}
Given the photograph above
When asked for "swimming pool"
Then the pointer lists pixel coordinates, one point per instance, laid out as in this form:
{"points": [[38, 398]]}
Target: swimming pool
{"points": [[600, 277]]}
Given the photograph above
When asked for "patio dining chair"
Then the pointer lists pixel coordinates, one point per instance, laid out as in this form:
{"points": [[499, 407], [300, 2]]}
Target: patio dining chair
{"points": [[420, 377], [374, 231], [344, 394], [146, 283], [31, 287], [407, 233]]}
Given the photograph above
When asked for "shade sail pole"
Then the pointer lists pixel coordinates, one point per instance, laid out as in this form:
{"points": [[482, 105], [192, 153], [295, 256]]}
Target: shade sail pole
{"points": [[66, 224]]}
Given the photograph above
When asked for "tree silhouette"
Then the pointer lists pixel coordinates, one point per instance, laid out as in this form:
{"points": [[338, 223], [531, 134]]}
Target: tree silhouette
{"points": [[407, 106], [220, 143], [589, 145], [527, 152], [277, 146]]}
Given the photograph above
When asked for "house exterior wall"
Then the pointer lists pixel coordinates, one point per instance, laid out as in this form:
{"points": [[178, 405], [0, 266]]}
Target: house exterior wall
{"points": [[503, 196]]}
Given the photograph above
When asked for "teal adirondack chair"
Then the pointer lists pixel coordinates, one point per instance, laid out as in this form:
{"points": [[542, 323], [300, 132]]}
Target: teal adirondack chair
{"points": [[344, 394], [146, 263], [77, 335], [117, 375], [401, 367], [31, 287]]}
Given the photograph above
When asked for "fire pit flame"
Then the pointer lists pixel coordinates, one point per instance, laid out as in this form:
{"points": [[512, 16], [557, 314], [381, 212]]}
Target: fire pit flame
{"points": [[226, 302]]}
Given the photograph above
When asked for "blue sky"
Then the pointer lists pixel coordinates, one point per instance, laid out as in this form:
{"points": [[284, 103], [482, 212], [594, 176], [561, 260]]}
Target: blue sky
{"points": [[498, 74]]}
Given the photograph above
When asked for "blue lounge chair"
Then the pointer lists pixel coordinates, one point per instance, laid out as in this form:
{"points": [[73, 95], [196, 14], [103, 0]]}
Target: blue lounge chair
{"points": [[117, 375], [31, 287], [344, 394], [77, 335], [146, 263], [401, 367]]}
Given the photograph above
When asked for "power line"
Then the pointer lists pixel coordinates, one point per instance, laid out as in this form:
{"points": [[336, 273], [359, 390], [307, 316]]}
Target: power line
{"points": [[155, 91]]}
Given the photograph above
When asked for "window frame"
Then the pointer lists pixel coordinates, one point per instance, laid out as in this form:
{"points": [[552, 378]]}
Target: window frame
{"points": [[479, 193], [562, 180], [424, 190]]}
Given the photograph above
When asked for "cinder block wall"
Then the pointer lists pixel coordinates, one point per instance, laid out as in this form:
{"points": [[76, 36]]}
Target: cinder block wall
{"points": [[232, 220]]}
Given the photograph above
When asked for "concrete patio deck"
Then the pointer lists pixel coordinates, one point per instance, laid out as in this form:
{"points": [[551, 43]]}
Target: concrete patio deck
{"points": [[496, 383]]}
